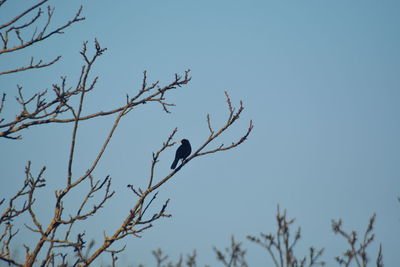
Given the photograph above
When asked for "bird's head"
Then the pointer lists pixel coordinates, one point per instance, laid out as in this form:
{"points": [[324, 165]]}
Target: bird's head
{"points": [[184, 141]]}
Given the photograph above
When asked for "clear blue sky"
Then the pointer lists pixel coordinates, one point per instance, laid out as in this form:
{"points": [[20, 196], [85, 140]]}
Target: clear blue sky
{"points": [[320, 79]]}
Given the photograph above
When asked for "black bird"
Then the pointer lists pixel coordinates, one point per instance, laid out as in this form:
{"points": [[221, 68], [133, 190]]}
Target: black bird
{"points": [[182, 152]]}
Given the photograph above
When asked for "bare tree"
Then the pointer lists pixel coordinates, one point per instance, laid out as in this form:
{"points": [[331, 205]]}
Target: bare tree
{"points": [[162, 258], [280, 246], [64, 104], [357, 253], [234, 256]]}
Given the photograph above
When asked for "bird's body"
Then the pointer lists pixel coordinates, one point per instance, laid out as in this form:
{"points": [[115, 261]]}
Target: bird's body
{"points": [[182, 152]]}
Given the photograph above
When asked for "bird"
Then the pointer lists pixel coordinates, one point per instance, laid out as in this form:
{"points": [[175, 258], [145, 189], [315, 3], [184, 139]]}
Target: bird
{"points": [[182, 152]]}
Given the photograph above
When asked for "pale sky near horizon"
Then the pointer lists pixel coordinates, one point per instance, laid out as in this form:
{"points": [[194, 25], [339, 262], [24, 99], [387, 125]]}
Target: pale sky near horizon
{"points": [[319, 79]]}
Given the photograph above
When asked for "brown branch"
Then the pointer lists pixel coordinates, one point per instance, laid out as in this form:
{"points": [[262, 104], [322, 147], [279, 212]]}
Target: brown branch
{"points": [[28, 188], [60, 104], [6, 238], [82, 87], [25, 25], [42, 35], [79, 244], [22, 14], [157, 154], [32, 65], [94, 188], [60, 194], [232, 117], [50, 256]]}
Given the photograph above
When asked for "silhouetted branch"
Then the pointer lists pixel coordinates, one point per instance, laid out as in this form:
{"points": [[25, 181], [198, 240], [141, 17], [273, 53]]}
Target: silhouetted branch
{"points": [[379, 259], [191, 259], [3, 98], [160, 258]]}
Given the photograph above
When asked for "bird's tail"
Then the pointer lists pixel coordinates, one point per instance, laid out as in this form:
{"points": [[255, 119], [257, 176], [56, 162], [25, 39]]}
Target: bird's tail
{"points": [[174, 163]]}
